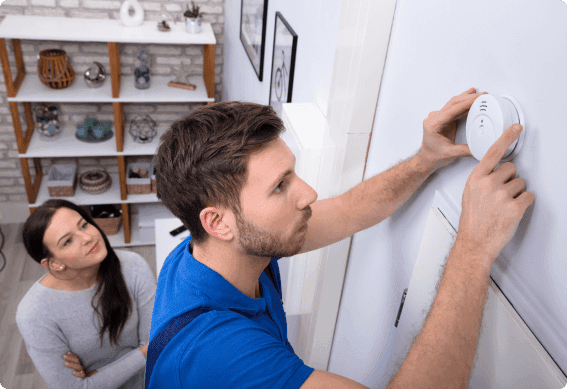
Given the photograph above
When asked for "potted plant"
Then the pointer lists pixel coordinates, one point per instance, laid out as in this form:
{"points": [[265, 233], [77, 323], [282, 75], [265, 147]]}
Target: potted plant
{"points": [[193, 19]]}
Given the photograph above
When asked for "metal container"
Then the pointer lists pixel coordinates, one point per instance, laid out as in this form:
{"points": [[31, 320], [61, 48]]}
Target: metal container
{"points": [[193, 25]]}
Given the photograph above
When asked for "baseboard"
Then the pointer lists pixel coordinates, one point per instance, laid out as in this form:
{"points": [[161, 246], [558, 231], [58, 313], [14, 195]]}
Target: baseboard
{"points": [[14, 212]]}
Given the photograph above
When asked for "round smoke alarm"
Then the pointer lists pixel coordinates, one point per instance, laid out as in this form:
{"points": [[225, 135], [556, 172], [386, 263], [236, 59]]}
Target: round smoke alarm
{"points": [[489, 116]]}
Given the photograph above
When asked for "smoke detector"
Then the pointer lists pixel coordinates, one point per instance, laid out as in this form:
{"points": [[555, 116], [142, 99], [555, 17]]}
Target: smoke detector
{"points": [[489, 116]]}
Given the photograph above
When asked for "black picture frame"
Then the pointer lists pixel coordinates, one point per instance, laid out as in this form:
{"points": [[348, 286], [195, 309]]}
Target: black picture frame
{"points": [[253, 18], [283, 63]]}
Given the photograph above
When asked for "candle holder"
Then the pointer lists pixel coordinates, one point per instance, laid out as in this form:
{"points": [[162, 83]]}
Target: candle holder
{"points": [[143, 130]]}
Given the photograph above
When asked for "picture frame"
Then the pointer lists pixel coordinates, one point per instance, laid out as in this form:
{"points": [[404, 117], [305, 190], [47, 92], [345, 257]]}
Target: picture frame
{"points": [[253, 20], [283, 63]]}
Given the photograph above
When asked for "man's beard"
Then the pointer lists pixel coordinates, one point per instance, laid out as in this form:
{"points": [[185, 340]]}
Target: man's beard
{"points": [[261, 243]]}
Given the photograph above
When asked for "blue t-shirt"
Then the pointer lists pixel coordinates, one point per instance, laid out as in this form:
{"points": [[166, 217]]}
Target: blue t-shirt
{"points": [[242, 343]]}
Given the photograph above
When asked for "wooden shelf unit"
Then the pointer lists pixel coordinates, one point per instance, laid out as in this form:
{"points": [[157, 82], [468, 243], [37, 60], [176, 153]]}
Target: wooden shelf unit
{"points": [[120, 90]]}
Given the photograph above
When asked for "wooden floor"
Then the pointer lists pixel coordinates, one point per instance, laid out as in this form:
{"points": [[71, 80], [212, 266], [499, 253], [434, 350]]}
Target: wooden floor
{"points": [[20, 272]]}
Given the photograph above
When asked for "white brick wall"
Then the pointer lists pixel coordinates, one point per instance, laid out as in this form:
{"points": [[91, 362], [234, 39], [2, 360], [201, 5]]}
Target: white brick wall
{"points": [[81, 55]]}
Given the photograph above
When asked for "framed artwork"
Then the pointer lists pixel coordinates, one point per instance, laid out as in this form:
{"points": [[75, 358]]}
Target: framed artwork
{"points": [[283, 63], [253, 16]]}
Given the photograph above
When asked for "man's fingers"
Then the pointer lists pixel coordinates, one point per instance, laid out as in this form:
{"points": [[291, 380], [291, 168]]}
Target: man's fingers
{"points": [[460, 106], [496, 151]]}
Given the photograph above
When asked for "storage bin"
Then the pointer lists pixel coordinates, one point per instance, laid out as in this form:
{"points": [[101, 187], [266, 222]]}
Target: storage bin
{"points": [[109, 225], [62, 180], [138, 185]]}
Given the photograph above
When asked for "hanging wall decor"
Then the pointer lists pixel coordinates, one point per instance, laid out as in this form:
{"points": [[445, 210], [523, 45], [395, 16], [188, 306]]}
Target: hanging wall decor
{"points": [[253, 16], [283, 63]]}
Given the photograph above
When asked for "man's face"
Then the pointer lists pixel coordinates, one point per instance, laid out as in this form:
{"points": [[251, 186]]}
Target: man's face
{"points": [[275, 204]]}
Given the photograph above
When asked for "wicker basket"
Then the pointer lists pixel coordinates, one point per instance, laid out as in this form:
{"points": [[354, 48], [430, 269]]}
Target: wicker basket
{"points": [[109, 225], [62, 180], [54, 69], [95, 181], [138, 185]]}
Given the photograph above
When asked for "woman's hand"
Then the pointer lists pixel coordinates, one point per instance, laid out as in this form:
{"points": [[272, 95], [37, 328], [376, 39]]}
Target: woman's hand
{"points": [[74, 362], [144, 350]]}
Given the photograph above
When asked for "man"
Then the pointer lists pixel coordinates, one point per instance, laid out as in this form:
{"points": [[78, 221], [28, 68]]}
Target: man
{"points": [[227, 175]]}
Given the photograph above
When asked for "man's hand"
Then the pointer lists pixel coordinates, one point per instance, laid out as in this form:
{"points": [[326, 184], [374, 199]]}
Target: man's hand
{"points": [[74, 362], [439, 130]]}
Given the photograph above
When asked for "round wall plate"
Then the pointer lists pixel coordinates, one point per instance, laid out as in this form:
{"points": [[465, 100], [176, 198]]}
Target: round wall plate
{"points": [[489, 116]]}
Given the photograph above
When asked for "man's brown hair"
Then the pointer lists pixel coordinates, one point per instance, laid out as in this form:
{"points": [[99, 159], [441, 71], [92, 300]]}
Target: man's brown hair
{"points": [[202, 159]]}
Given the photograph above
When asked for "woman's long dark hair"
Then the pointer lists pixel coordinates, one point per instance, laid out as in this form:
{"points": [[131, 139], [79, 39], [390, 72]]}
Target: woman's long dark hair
{"points": [[114, 301]]}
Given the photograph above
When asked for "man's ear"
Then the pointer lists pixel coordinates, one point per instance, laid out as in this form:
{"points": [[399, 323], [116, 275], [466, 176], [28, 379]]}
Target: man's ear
{"points": [[215, 221]]}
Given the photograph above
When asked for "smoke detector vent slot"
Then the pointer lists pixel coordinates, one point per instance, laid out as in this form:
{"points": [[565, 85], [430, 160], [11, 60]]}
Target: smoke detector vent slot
{"points": [[485, 127]]}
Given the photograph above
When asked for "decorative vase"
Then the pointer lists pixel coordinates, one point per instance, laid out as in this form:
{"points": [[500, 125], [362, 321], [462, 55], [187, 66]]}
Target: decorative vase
{"points": [[54, 68], [193, 25], [47, 121], [95, 75], [142, 70], [137, 18]]}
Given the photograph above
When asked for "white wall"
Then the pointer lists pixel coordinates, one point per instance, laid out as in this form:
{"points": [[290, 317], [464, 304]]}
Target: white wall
{"points": [[504, 47], [316, 25]]}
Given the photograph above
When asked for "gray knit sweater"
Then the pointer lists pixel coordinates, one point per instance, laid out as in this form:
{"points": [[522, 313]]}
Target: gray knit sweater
{"points": [[53, 322]]}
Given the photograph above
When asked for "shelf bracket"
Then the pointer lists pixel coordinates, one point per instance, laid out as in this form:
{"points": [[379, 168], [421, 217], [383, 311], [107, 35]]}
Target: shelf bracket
{"points": [[32, 188], [114, 59], [126, 222], [209, 69], [22, 139], [12, 86]]}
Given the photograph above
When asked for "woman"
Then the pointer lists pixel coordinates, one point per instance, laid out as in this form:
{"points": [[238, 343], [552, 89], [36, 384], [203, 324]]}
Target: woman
{"points": [[86, 323]]}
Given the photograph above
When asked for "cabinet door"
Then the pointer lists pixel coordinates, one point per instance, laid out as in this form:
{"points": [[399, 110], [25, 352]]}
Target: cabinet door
{"points": [[507, 356]]}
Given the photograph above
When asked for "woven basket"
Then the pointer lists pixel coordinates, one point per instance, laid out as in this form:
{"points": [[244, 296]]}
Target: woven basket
{"points": [[54, 69], [109, 225], [62, 191], [95, 181], [138, 185], [62, 180]]}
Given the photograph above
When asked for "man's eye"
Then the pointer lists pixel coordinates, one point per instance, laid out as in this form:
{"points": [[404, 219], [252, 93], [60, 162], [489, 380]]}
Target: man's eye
{"points": [[280, 186], [67, 241]]}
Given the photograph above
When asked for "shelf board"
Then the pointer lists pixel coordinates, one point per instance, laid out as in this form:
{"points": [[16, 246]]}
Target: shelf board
{"points": [[58, 28], [67, 145], [32, 89], [118, 239], [111, 196]]}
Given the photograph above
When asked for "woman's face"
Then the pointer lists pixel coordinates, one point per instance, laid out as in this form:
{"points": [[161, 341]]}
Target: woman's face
{"points": [[72, 241]]}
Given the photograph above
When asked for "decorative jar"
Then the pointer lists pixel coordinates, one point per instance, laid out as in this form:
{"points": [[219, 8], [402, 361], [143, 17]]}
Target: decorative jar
{"points": [[142, 70]]}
